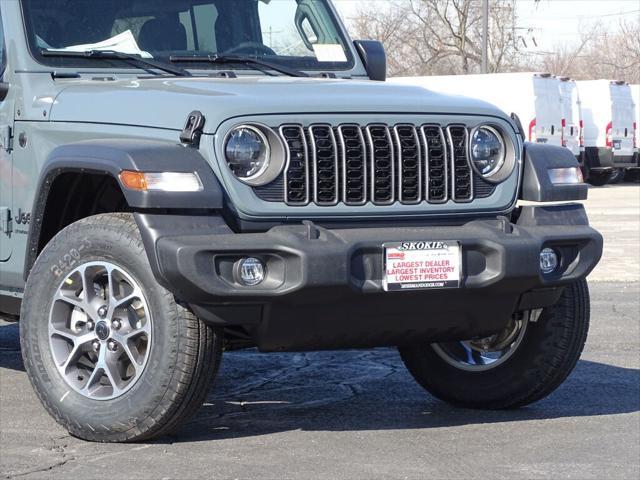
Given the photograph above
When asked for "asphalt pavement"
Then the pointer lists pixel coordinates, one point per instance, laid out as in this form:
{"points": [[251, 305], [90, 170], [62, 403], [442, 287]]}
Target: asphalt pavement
{"points": [[359, 415]]}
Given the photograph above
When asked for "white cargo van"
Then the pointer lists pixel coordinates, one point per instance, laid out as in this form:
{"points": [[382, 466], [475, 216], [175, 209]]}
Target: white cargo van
{"points": [[635, 94], [608, 116], [571, 117], [534, 97]]}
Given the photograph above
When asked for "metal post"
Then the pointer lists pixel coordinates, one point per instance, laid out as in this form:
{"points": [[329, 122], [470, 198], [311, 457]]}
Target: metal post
{"points": [[485, 36]]}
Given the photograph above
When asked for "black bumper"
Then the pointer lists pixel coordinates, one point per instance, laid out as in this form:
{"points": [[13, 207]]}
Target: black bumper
{"points": [[600, 159], [324, 287]]}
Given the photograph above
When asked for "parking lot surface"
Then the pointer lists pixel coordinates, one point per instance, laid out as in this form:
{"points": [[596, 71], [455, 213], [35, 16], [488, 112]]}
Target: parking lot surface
{"points": [[359, 415]]}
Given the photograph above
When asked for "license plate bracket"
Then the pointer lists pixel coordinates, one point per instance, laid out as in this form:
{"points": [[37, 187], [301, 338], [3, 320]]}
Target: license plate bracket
{"points": [[422, 265]]}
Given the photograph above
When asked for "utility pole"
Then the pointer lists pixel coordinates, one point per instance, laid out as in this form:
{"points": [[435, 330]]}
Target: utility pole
{"points": [[485, 36]]}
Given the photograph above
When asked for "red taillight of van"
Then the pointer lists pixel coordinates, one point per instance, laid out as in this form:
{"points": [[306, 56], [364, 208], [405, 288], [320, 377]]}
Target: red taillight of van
{"points": [[581, 133], [563, 142], [635, 135], [532, 130], [609, 134]]}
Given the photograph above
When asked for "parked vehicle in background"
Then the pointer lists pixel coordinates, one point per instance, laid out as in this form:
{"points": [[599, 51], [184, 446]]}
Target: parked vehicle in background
{"points": [[608, 116], [634, 174], [533, 97], [572, 125]]}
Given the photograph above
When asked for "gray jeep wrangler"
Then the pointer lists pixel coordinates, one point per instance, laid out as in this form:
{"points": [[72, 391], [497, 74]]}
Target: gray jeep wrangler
{"points": [[181, 177]]}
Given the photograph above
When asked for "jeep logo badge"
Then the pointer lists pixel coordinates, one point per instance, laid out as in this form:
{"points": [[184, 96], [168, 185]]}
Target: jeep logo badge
{"points": [[102, 330]]}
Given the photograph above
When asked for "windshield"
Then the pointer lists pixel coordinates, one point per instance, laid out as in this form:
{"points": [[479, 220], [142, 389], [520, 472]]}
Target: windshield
{"points": [[302, 34]]}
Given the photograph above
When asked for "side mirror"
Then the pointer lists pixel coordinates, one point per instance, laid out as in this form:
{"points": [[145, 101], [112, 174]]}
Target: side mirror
{"points": [[374, 58]]}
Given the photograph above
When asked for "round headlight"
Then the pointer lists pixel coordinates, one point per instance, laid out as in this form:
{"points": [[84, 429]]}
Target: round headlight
{"points": [[487, 151], [247, 152]]}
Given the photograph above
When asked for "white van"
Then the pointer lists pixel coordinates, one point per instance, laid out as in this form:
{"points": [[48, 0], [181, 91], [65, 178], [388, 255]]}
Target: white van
{"points": [[572, 135], [635, 94], [608, 116], [534, 97]]}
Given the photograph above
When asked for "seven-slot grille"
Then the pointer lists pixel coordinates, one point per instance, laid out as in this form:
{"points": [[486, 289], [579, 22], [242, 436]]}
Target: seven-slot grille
{"points": [[384, 165]]}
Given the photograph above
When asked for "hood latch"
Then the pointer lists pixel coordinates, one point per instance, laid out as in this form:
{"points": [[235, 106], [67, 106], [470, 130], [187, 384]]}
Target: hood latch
{"points": [[192, 131]]}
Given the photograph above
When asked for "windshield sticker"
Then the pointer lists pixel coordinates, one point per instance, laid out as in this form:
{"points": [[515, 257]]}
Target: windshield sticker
{"points": [[330, 53], [124, 42]]}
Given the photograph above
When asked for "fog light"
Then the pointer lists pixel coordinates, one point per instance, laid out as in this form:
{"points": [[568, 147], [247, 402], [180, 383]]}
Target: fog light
{"points": [[548, 260], [251, 272]]}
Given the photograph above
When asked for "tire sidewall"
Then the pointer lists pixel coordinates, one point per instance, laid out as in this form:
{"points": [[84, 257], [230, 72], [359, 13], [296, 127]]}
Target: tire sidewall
{"points": [[546, 355], [78, 244]]}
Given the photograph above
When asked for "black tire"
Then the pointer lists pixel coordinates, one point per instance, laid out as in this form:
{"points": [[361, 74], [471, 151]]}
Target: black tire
{"points": [[182, 361], [617, 176], [546, 355], [599, 180]]}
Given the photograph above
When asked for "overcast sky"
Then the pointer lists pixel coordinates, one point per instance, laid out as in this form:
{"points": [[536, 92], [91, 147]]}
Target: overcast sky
{"points": [[552, 22]]}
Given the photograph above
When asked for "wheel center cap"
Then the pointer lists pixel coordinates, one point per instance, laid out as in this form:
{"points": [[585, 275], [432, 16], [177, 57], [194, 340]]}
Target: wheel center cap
{"points": [[102, 330]]}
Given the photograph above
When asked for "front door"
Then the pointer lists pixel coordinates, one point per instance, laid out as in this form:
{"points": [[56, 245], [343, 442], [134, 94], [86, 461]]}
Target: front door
{"points": [[6, 165]]}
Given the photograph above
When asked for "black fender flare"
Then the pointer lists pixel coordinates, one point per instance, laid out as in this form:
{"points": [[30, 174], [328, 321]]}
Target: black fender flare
{"points": [[536, 182], [112, 156]]}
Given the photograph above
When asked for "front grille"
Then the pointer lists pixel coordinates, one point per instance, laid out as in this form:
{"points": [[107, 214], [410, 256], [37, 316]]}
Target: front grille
{"points": [[380, 164]]}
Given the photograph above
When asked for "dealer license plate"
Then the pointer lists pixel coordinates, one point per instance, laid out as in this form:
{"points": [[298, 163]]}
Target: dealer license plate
{"points": [[617, 144], [422, 265]]}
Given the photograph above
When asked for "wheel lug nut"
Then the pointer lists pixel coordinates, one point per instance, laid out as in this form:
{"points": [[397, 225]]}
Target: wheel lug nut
{"points": [[102, 311], [112, 345], [116, 324], [90, 326], [96, 345]]}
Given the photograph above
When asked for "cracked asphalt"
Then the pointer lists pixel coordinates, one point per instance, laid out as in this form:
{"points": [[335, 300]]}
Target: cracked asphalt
{"points": [[359, 415]]}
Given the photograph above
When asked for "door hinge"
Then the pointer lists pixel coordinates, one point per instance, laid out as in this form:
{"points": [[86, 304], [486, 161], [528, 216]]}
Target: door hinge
{"points": [[5, 220], [6, 137]]}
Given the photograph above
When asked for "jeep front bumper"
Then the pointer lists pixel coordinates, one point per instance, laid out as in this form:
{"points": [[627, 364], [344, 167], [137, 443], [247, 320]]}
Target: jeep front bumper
{"points": [[323, 288]]}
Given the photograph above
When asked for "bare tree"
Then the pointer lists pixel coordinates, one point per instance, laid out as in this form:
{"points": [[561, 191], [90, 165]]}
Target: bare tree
{"points": [[441, 36], [601, 53]]}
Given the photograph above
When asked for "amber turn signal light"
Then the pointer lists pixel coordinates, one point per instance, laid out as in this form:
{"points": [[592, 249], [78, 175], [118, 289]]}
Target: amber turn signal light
{"points": [[133, 180]]}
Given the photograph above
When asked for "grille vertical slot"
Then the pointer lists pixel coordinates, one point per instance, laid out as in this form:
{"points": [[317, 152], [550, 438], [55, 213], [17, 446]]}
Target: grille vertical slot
{"points": [[324, 154], [437, 166], [381, 153], [410, 161], [461, 172], [354, 164], [296, 175]]}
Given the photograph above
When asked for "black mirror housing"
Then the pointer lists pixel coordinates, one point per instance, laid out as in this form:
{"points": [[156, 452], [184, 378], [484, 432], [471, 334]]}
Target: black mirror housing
{"points": [[374, 57]]}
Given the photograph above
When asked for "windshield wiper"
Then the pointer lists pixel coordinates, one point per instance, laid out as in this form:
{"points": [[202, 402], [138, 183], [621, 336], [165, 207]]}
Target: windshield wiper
{"points": [[112, 54], [226, 59]]}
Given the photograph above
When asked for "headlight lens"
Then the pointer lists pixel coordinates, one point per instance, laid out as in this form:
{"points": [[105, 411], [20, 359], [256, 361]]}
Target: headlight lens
{"points": [[247, 152], [487, 151]]}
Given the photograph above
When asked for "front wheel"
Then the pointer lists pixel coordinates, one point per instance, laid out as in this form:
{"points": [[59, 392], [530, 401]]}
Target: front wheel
{"points": [[110, 353], [520, 365]]}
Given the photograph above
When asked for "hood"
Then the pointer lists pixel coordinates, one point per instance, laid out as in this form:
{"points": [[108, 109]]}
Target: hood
{"points": [[166, 103]]}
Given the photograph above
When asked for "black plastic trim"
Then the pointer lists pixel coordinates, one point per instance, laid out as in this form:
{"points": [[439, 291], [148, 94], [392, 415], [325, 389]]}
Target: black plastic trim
{"points": [[536, 183], [113, 156], [374, 57], [110, 157], [324, 290], [569, 214]]}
